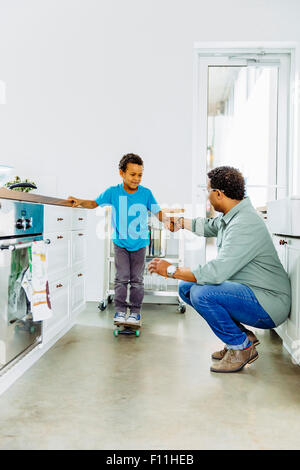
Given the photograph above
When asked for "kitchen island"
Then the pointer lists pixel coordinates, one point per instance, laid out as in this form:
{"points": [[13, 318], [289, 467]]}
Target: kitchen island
{"points": [[64, 233]]}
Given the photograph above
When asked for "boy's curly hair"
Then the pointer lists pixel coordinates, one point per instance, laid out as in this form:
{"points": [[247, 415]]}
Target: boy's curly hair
{"points": [[229, 180], [130, 158]]}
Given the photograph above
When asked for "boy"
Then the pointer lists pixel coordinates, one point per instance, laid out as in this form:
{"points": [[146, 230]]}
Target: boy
{"points": [[130, 205]]}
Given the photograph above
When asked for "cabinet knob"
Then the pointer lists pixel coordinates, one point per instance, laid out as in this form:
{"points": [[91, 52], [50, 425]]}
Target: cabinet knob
{"points": [[80, 234], [59, 285], [80, 218], [59, 219], [282, 242], [59, 237], [79, 275]]}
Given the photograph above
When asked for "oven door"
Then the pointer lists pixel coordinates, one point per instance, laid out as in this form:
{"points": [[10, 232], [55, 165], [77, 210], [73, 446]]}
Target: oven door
{"points": [[18, 332]]}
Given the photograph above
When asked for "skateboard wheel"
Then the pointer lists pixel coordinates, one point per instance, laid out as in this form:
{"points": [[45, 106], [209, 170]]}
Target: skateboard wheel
{"points": [[102, 306], [138, 332], [116, 333]]}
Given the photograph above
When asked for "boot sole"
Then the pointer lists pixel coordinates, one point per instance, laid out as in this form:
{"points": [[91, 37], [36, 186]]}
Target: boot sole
{"points": [[236, 370], [220, 358]]}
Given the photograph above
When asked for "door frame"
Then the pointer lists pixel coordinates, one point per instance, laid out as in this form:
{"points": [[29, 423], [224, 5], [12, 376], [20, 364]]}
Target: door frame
{"points": [[218, 51]]}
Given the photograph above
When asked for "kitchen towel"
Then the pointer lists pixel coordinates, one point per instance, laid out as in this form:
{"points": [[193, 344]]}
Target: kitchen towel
{"points": [[40, 301]]}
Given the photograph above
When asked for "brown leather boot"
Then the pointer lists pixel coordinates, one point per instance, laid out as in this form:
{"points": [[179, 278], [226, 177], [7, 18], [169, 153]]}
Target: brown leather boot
{"points": [[235, 359], [218, 355]]}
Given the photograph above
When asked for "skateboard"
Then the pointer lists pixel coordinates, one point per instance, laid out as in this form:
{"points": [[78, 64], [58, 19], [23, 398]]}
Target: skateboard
{"points": [[127, 329]]}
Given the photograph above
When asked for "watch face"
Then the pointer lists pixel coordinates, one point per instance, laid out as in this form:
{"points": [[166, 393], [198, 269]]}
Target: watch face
{"points": [[171, 270]]}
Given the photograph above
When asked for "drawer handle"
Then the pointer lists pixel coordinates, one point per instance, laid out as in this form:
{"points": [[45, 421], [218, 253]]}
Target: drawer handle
{"points": [[80, 218], [59, 219], [79, 275], [59, 285], [282, 242], [80, 234], [59, 237]]}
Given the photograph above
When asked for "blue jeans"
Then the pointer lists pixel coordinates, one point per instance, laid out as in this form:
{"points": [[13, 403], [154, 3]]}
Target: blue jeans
{"points": [[225, 307]]}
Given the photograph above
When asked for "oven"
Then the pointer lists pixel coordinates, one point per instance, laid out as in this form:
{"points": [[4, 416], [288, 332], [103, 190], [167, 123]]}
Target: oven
{"points": [[21, 224]]}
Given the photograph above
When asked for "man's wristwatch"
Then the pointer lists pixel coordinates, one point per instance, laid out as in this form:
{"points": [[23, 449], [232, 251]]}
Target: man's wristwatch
{"points": [[171, 270]]}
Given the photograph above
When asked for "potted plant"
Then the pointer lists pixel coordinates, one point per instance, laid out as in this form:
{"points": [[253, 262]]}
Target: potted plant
{"points": [[18, 185]]}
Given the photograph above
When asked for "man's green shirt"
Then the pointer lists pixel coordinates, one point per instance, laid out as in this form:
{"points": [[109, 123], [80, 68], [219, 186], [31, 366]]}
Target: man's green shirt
{"points": [[246, 254]]}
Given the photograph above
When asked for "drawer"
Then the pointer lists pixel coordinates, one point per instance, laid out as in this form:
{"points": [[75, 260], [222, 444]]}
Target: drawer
{"points": [[78, 247], [59, 298], [58, 254], [77, 298], [79, 219], [57, 218]]}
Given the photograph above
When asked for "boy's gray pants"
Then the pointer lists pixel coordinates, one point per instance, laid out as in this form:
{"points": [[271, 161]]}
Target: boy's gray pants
{"points": [[130, 266]]}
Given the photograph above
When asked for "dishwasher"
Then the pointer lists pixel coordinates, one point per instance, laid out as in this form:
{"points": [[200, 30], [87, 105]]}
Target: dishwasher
{"points": [[163, 244]]}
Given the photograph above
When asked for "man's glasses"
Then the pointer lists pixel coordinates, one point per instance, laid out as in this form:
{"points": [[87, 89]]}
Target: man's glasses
{"points": [[209, 190]]}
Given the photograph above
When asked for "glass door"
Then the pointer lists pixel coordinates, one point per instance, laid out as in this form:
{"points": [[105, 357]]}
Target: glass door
{"points": [[18, 331], [241, 116]]}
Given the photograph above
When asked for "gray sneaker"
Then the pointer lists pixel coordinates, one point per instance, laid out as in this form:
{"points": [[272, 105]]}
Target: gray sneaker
{"points": [[119, 318]]}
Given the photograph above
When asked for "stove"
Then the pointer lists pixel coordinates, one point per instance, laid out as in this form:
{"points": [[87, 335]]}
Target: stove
{"points": [[21, 223]]}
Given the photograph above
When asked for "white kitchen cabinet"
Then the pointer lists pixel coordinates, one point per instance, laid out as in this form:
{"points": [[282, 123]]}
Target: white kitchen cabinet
{"points": [[79, 219], [59, 254], [78, 290], [59, 298], [66, 255], [78, 247], [57, 218], [288, 249]]}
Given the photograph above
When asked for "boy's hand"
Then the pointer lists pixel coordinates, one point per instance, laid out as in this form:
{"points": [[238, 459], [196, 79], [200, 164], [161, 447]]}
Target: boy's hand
{"points": [[74, 201], [158, 266]]}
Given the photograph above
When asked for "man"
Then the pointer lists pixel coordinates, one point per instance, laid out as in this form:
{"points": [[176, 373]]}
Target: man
{"points": [[245, 284]]}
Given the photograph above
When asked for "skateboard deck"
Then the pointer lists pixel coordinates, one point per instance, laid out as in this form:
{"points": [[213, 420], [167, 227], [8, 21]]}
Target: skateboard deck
{"points": [[127, 329]]}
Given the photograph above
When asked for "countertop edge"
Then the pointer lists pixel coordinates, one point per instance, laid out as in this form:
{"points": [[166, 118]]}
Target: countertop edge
{"points": [[35, 198]]}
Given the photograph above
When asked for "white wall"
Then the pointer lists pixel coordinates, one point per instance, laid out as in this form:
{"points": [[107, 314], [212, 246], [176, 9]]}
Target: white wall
{"points": [[90, 80]]}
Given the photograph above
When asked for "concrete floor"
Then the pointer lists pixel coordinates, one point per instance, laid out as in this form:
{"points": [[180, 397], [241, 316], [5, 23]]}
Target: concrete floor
{"points": [[94, 391]]}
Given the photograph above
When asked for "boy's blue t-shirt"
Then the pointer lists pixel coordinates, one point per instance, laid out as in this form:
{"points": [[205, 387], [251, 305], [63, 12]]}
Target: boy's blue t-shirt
{"points": [[129, 215]]}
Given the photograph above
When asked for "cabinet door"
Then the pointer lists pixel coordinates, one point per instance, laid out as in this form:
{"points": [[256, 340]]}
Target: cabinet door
{"points": [[77, 292], [59, 298], [78, 247], [280, 244], [293, 265], [59, 254]]}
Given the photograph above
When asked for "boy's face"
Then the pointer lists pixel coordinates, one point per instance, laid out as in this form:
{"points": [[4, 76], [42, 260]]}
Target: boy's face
{"points": [[132, 177]]}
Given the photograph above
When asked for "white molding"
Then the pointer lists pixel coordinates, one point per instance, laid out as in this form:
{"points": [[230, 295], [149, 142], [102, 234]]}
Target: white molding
{"points": [[228, 46]]}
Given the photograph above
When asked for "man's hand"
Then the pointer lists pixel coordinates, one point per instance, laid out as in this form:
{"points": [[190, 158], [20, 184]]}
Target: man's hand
{"points": [[174, 224], [158, 266], [74, 201]]}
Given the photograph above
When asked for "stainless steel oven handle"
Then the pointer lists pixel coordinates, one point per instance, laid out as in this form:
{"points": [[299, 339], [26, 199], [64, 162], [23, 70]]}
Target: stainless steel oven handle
{"points": [[20, 246]]}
